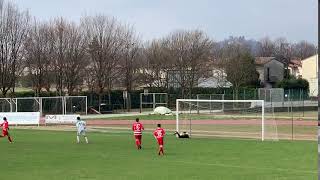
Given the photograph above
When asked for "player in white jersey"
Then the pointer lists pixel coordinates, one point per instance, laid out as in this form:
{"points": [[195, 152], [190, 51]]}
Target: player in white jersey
{"points": [[81, 130]]}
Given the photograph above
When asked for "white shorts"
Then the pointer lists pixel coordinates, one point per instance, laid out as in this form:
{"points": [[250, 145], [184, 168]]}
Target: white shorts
{"points": [[81, 132]]}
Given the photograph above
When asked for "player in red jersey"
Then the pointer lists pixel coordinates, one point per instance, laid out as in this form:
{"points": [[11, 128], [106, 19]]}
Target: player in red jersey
{"points": [[159, 135], [137, 129], [5, 129]]}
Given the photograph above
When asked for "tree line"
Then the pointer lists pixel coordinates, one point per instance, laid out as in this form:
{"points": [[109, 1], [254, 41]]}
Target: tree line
{"points": [[101, 54]]}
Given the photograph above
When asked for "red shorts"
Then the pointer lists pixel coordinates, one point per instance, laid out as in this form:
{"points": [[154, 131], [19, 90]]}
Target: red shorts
{"points": [[160, 141], [5, 133], [138, 137]]}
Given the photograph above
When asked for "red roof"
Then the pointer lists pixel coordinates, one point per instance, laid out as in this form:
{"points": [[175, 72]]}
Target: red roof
{"points": [[263, 60], [295, 63]]}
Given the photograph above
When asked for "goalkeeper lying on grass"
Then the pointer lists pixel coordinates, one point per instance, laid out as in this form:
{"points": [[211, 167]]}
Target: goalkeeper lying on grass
{"points": [[183, 135]]}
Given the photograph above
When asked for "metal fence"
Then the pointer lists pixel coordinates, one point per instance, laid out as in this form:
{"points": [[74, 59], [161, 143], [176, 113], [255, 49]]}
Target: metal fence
{"points": [[45, 105], [149, 101]]}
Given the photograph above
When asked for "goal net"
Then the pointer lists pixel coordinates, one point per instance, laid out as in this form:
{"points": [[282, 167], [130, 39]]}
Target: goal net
{"points": [[212, 106], [75, 104], [272, 96], [237, 118]]}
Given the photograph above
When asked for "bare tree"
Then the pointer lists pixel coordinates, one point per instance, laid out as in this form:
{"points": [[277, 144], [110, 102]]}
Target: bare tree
{"points": [[129, 63], [282, 47], [239, 66], [104, 43], [304, 49], [39, 52], [154, 67], [76, 61], [266, 47], [131, 59], [189, 53], [13, 30], [60, 44], [284, 53]]}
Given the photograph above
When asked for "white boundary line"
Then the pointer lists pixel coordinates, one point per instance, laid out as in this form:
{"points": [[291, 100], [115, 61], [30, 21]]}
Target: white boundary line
{"points": [[248, 167]]}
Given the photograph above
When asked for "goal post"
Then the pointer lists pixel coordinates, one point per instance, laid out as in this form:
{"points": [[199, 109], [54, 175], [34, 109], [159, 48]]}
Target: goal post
{"points": [[238, 119]]}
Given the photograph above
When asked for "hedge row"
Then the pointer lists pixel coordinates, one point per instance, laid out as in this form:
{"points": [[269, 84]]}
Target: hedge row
{"points": [[117, 101], [116, 96], [294, 84]]}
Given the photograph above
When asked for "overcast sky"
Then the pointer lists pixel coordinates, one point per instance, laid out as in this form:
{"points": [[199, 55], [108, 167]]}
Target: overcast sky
{"points": [[294, 19]]}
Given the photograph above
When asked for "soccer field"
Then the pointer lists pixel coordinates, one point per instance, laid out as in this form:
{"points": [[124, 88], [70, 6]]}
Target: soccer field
{"points": [[39, 154], [308, 115], [282, 127]]}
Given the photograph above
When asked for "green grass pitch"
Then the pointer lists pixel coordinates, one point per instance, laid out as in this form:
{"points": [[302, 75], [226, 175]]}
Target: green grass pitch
{"points": [[54, 155]]}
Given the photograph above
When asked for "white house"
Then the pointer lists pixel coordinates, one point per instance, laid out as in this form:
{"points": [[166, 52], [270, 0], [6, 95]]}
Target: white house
{"points": [[216, 78], [310, 73], [295, 68]]}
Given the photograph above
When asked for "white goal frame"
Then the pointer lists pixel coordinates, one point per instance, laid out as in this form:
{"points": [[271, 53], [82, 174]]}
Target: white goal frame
{"points": [[225, 101]]}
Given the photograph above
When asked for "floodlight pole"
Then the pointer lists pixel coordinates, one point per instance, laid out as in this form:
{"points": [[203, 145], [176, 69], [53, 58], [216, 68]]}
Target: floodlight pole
{"points": [[154, 101], [16, 104], [262, 122], [10, 103], [198, 104], [86, 105], [140, 103], [177, 115], [223, 102], [40, 106], [167, 100]]}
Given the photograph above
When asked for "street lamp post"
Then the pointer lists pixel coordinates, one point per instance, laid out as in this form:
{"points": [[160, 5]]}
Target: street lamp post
{"points": [[128, 89]]}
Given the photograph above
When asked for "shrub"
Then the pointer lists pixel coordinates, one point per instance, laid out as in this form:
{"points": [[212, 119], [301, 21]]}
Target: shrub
{"points": [[294, 83]]}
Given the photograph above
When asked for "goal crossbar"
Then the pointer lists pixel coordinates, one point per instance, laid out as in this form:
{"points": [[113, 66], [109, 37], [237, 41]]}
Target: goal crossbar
{"points": [[218, 100]]}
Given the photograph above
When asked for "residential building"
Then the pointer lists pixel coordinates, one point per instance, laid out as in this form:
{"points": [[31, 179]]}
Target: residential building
{"points": [[213, 79], [295, 68], [216, 78], [176, 77], [270, 70], [310, 73]]}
